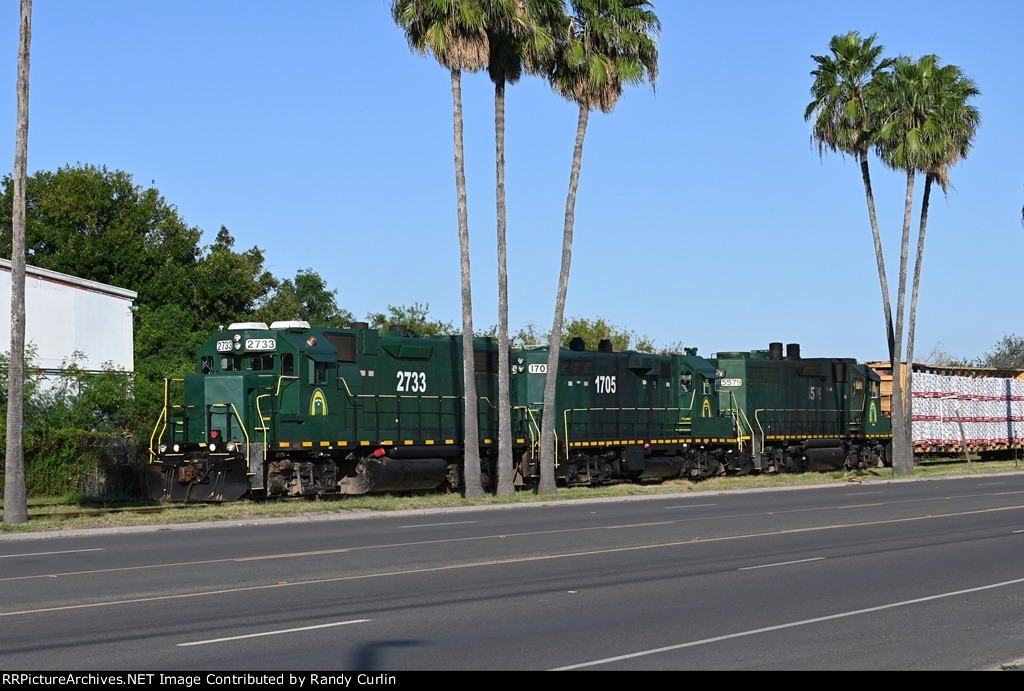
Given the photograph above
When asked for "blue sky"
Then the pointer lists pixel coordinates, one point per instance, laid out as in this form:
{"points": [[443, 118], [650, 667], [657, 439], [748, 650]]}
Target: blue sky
{"points": [[704, 214]]}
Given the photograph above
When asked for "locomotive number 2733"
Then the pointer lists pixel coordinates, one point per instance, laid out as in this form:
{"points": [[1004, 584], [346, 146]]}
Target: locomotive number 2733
{"points": [[412, 381]]}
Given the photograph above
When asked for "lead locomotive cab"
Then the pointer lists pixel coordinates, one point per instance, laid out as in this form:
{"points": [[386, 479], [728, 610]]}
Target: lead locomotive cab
{"points": [[289, 410], [212, 447]]}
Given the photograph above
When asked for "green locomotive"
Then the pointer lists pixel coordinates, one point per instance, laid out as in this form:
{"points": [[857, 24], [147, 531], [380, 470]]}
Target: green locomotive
{"points": [[804, 413], [290, 410], [627, 415]]}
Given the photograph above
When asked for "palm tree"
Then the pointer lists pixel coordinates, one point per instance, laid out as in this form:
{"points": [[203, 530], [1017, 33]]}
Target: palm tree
{"points": [[930, 128], [15, 500], [604, 45], [511, 35], [454, 32], [843, 113], [514, 37]]}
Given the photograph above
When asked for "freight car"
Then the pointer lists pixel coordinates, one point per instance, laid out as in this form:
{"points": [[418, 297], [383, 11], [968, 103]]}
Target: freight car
{"points": [[289, 410]]}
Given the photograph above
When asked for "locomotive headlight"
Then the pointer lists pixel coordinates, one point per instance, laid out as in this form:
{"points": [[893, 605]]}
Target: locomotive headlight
{"points": [[176, 448], [238, 337], [163, 448], [213, 447], [230, 446]]}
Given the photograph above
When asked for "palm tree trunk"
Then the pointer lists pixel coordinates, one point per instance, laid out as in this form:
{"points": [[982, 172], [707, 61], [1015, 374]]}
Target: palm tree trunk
{"points": [[883, 281], [548, 451], [903, 455], [15, 500], [471, 451], [505, 479], [912, 324]]}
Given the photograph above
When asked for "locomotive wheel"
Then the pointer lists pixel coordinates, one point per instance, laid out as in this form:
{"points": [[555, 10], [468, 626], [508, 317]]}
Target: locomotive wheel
{"points": [[740, 465]]}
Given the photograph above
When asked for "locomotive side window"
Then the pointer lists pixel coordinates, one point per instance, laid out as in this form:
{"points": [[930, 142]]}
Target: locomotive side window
{"points": [[206, 364], [288, 365], [261, 363], [858, 385], [873, 389], [685, 382], [231, 363]]}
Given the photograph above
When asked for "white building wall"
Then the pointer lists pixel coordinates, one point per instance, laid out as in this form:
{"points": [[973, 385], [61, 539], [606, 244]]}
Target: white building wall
{"points": [[64, 314]]}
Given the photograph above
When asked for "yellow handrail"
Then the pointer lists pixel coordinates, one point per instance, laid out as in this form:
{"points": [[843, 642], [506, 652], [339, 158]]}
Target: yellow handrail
{"points": [[531, 425], [162, 418]]}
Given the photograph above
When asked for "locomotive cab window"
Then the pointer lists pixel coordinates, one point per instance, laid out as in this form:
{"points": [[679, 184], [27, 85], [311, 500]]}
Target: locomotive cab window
{"points": [[206, 364], [319, 364], [873, 387], [685, 382], [261, 363], [288, 365], [858, 385], [231, 363], [319, 373]]}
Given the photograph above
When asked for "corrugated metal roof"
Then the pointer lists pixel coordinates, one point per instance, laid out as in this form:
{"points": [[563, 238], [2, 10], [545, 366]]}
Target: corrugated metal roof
{"points": [[74, 281]]}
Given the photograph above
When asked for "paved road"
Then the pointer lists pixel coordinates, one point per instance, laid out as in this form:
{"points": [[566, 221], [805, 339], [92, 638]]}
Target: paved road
{"points": [[883, 575]]}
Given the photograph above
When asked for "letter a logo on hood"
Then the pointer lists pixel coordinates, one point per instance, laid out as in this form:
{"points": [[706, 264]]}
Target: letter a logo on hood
{"points": [[318, 403]]}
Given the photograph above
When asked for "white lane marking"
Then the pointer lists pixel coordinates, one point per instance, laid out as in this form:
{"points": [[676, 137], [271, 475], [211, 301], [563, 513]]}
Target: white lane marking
{"points": [[780, 563], [274, 633], [990, 484], [44, 554], [687, 506], [431, 525], [1016, 531], [860, 494], [790, 625]]}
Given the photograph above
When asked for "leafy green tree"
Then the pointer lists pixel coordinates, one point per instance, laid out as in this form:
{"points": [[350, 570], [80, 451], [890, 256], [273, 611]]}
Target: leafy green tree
{"points": [[97, 224], [593, 331], [605, 45], [227, 284], [306, 298], [454, 32], [415, 317], [15, 497], [94, 223], [1007, 353]]}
